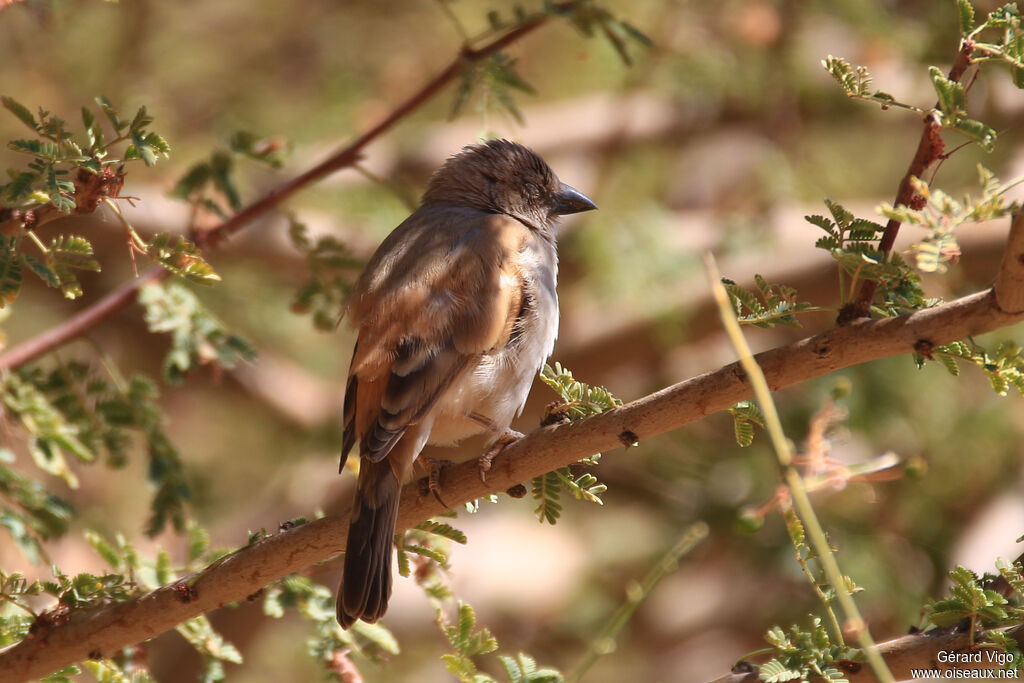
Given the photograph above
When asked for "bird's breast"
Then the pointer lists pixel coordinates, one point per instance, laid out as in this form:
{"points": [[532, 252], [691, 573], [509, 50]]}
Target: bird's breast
{"points": [[491, 392]]}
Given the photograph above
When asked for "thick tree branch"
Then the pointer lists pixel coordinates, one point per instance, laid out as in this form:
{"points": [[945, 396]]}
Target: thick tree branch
{"points": [[106, 629], [929, 149], [342, 158]]}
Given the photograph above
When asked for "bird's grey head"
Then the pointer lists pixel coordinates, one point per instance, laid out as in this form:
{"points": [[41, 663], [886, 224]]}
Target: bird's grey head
{"points": [[500, 176]]}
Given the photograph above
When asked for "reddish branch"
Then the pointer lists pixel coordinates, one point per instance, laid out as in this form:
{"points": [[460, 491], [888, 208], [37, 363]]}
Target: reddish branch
{"points": [[80, 323], [929, 150], [351, 154], [344, 157]]}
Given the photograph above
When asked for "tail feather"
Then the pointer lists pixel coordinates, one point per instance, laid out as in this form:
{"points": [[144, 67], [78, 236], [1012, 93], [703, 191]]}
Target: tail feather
{"points": [[366, 580]]}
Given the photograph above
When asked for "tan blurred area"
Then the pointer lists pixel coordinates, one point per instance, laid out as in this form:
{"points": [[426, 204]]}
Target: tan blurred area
{"points": [[721, 137]]}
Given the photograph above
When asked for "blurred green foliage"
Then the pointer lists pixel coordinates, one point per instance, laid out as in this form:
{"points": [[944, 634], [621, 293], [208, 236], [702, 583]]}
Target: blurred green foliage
{"points": [[741, 71]]}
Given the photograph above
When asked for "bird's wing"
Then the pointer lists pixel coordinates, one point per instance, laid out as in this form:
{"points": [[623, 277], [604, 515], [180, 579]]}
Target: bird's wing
{"points": [[443, 288]]}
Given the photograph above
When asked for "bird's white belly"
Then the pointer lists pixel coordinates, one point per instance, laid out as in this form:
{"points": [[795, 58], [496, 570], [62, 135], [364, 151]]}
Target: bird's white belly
{"points": [[487, 397]]}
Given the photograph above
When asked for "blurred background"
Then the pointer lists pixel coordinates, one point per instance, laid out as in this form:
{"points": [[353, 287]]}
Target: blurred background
{"points": [[720, 137]]}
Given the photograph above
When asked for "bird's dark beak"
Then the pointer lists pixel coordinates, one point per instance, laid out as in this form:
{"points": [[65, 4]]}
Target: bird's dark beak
{"points": [[570, 200]]}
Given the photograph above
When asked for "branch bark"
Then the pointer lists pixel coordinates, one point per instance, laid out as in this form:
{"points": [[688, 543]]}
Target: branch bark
{"points": [[1009, 286], [346, 156], [108, 628]]}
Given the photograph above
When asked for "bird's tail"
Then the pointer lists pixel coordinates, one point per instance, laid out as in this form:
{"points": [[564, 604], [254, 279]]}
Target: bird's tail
{"points": [[366, 580]]}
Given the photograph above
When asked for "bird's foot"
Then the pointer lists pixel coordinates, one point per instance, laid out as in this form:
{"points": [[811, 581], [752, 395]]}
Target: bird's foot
{"points": [[434, 468], [483, 463]]}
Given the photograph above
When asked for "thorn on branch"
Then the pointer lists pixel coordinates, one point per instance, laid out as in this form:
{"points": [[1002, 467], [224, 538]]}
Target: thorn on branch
{"points": [[924, 348], [185, 592], [743, 667], [517, 491]]}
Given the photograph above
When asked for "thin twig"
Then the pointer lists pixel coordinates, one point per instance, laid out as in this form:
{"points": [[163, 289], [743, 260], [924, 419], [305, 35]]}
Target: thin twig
{"points": [[346, 156], [604, 643], [350, 154], [929, 149], [80, 323], [801, 500]]}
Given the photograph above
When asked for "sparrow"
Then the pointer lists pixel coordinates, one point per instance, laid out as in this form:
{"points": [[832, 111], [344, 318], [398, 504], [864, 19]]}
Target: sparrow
{"points": [[455, 313]]}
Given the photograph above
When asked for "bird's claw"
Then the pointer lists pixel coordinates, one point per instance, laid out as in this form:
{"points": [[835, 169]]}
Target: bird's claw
{"points": [[436, 466], [483, 463]]}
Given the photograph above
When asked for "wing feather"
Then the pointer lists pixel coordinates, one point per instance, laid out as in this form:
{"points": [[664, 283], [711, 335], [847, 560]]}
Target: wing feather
{"points": [[441, 290]]}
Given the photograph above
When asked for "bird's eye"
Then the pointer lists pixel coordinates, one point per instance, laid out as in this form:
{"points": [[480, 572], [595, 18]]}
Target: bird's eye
{"points": [[531, 190]]}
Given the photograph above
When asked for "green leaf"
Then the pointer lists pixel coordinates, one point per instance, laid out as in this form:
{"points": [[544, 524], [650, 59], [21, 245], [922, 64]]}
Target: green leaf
{"points": [[1003, 17], [198, 542], [429, 553], [855, 82], [181, 257], [10, 270], [745, 415], [36, 514], [775, 671], [977, 131], [332, 269], [583, 487], [770, 305], [21, 111], [162, 568], [949, 363], [253, 147], [197, 336], [971, 601], [376, 634], [965, 12], [64, 675], [72, 410], [20, 529], [111, 113], [44, 149], [951, 94], [67, 254], [103, 549], [443, 530], [210, 645], [495, 75], [795, 528], [524, 669], [466, 638], [193, 182], [140, 120], [823, 223], [545, 490], [51, 435], [578, 400], [20, 187], [222, 173], [1003, 368]]}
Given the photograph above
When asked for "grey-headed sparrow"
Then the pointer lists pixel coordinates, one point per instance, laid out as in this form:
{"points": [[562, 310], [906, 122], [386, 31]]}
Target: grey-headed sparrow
{"points": [[456, 312]]}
